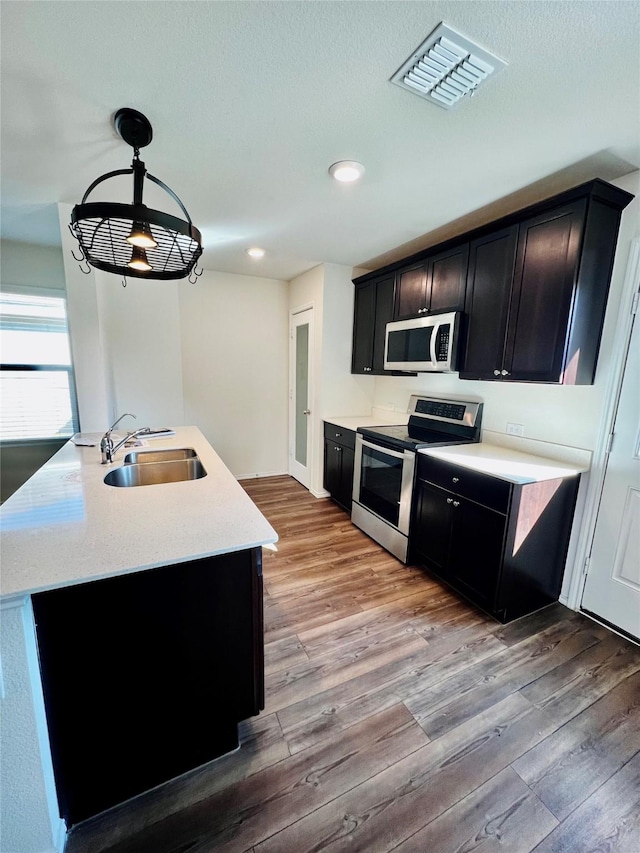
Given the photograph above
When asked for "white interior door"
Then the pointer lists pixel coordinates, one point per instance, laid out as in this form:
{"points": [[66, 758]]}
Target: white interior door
{"points": [[300, 424], [612, 588]]}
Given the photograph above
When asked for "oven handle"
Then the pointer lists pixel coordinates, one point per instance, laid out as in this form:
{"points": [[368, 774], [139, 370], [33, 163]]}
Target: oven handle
{"points": [[382, 449]]}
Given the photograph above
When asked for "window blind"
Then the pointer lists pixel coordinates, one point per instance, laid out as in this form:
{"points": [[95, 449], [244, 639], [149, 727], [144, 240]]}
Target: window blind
{"points": [[37, 398]]}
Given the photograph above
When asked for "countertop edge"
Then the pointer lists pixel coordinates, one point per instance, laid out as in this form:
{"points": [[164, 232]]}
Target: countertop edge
{"points": [[505, 463]]}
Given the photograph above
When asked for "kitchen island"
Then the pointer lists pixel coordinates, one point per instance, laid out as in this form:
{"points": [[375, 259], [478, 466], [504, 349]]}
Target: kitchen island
{"points": [[148, 606]]}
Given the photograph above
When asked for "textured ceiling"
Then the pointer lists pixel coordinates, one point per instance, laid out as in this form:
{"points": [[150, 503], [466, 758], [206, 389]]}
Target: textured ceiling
{"points": [[252, 101]]}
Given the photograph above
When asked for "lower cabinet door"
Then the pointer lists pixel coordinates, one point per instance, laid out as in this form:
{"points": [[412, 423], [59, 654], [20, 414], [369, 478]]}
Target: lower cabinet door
{"points": [[332, 467], [431, 531], [475, 558], [346, 478]]}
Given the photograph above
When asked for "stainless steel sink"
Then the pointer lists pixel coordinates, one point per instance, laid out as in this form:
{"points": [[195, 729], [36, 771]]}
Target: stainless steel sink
{"points": [[147, 456], [153, 473]]}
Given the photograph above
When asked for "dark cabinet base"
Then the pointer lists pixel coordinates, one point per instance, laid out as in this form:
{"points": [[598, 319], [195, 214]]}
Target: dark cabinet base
{"points": [[146, 676], [339, 446], [506, 554]]}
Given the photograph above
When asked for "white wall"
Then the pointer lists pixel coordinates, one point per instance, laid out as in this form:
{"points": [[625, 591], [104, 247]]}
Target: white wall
{"points": [[343, 393], [140, 328], [87, 351], [558, 414], [26, 265], [29, 818], [234, 334]]}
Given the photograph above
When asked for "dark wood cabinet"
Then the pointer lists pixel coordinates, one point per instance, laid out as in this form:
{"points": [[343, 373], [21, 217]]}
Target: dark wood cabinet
{"points": [[373, 309], [537, 291], [491, 264], [146, 675], [435, 284], [502, 545], [339, 449], [533, 287], [520, 294], [412, 298], [543, 291]]}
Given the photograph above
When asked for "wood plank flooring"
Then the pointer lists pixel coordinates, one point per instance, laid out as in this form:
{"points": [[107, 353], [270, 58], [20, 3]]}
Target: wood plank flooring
{"points": [[399, 717]]}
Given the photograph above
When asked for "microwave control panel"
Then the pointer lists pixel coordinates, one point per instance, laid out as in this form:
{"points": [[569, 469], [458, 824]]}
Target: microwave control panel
{"points": [[442, 344]]}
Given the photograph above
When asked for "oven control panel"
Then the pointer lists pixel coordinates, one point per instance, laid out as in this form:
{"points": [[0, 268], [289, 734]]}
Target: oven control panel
{"points": [[451, 411], [464, 412]]}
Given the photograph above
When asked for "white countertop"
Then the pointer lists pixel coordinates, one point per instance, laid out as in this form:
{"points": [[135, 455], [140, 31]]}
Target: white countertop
{"points": [[66, 526], [352, 422], [505, 463]]}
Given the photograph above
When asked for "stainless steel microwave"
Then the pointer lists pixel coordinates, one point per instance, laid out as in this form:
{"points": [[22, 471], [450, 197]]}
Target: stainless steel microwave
{"points": [[423, 343]]}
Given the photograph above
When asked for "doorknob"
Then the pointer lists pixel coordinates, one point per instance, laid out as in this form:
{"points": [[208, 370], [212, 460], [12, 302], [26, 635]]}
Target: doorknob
{"points": [[307, 412]]}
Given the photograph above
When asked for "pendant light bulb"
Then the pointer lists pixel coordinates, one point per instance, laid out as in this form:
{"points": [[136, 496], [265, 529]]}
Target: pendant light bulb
{"points": [[141, 236], [139, 260]]}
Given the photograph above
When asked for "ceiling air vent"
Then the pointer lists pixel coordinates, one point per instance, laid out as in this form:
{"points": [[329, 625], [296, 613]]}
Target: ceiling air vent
{"points": [[446, 67]]}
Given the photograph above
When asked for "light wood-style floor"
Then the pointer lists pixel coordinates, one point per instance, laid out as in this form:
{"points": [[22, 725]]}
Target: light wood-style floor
{"points": [[398, 717]]}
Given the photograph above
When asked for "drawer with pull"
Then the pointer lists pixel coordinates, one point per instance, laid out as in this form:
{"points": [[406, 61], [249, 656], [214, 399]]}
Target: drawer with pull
{"points": [[340, 435], [479, 487]]}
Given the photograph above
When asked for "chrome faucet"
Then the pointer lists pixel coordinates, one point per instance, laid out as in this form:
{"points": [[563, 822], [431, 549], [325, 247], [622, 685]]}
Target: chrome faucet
{"points": [[107, 447]]}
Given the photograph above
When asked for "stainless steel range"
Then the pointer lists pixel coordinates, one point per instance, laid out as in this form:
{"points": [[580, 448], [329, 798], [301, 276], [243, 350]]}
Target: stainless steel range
{"points": [[385, 464]]}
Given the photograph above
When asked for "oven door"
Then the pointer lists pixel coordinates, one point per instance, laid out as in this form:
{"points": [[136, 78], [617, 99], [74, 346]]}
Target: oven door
{"points": [[383, 481]]}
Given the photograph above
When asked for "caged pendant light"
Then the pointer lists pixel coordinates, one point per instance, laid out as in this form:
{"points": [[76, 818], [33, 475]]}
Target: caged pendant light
{"points": [[133, 239]]}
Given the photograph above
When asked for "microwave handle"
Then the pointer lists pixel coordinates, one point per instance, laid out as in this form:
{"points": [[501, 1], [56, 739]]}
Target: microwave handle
{"points": [[432, 342]]}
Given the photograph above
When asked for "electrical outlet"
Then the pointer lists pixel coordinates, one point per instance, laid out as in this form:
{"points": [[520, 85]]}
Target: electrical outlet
{"points": [[515, 429]]}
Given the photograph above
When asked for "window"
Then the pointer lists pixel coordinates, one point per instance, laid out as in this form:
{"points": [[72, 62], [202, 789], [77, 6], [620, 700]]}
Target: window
{"points": [[37, 393]]}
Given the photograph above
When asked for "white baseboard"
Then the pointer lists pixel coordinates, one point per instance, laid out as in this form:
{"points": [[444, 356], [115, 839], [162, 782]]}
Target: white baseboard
{"points": [[320, 493], [60, 836], [263, 474]]}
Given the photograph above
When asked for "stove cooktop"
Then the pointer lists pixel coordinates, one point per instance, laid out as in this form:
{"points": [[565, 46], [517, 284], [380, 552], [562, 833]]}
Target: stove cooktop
{"points": [[411, 438], [433, 421]]}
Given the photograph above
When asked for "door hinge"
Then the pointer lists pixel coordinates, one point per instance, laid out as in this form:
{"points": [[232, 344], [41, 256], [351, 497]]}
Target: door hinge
{"points": [[587, 563], [634, 304], [609, 442]]}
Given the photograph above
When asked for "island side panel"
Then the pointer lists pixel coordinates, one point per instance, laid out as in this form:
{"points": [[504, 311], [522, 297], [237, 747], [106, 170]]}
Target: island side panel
{"points": [[146, 676]]}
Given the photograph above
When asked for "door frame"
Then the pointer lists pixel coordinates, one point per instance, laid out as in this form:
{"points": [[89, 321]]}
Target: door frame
{"points": [[308, 306], [625, 319]]}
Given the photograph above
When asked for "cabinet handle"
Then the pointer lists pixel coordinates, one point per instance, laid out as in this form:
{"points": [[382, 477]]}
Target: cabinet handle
{"points": [[456, 503], [339, 449], [456, 479], [338, 434], [505, 373], [496, 373], [449, 500]]}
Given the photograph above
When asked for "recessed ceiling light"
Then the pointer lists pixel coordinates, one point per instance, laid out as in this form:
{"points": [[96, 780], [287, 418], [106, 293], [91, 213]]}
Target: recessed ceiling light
{"points": [[346, 171], [255, 252]]}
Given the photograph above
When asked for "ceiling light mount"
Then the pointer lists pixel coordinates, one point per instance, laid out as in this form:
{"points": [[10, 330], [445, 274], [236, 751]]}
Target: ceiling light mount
{"points": [[133, 239], [346, 171]]}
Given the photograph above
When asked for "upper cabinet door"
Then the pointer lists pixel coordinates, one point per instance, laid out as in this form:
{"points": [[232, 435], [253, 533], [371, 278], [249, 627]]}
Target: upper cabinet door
{"points": [[543, 293], [364, 316], [491, 265], [447, 279], [384, 315], [411, 292], [373, 309]]}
